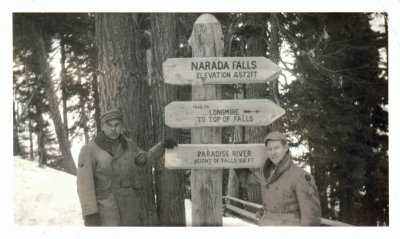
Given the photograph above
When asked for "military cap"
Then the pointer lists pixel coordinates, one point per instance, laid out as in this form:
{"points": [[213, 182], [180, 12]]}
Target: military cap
{"points": [[110, 114], [276, 135]]}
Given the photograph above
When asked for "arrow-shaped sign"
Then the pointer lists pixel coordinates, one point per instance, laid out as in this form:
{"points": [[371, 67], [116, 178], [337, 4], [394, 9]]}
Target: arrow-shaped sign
{"points": [[216, 156], [218, 113], [219, 70]]}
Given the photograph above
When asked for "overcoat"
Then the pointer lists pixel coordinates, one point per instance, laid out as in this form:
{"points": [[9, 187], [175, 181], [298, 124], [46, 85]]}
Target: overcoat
{"points": [[110, 185], [289, 196]]}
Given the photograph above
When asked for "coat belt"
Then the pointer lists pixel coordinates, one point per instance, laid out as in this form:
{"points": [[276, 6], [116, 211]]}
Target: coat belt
{"points": [[125, 183], [103, 193]]}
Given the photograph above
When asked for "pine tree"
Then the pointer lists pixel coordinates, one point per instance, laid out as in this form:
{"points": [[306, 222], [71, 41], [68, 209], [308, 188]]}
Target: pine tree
{"points": [[29, 94], [39, 48], [169, 183], [336, 107], [123, 86]]}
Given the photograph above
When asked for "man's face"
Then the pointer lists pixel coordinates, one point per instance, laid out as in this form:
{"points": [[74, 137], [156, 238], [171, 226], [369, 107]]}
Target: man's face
{"points": [[112, 128], [276, 150]]}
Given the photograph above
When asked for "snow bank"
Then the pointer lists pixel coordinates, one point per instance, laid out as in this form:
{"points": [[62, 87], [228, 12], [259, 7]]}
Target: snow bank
{"points": [[45, 197], [226, 221]]}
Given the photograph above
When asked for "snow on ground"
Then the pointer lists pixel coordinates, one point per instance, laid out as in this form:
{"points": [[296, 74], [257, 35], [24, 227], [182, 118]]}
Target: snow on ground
{"points": [[226, 221], [45, 197]]}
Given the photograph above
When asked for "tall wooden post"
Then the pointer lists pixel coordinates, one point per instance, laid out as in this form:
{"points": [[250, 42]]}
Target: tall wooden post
{"points": [[238, 136], [206, 185], [204, 71]]}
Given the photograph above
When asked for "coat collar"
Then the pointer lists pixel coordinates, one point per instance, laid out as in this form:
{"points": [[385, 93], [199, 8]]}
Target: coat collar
{"points": [[285, 163], [113, 147], [119, 151]]}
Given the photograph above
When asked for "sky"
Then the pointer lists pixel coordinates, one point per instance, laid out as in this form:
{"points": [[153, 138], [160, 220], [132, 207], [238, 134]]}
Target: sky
{"points": [[7, 172]]}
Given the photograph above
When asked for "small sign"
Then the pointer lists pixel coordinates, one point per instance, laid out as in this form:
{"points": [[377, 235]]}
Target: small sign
{"points": [[219, 113], [212, 156], [219, 70]]}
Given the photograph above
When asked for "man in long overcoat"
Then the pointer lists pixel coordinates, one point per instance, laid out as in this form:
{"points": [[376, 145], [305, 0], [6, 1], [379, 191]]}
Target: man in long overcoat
{"points": [[289, 194], [107, 181]]}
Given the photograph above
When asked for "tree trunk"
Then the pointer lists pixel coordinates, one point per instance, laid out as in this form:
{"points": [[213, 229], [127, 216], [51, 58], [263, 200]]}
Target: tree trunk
{"points": [[41, 54], [123, 86], [42, 155], [238, 136], [206, 185], [16, 145], [64, 85], [82, 104], [96, 101], [319, 169], [41, 137], [274, 57], [256, 46], [233, 184], [84, 120], [30, 140], [170, 184], [346, 206]]}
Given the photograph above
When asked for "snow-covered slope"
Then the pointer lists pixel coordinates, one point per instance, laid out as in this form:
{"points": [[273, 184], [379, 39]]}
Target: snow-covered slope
{"points": [[44, 196]]}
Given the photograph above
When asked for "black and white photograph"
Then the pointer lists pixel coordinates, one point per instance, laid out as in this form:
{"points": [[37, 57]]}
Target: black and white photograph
{"points": [[249, 118]]}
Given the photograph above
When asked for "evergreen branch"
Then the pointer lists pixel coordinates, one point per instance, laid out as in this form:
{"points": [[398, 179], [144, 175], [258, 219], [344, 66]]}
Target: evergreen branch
{"points": [[55, 53], [286, 67], [25, 106], [341, 70]]}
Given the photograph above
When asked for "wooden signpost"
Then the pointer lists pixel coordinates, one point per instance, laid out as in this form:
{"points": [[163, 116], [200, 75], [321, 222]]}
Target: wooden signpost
{"points": [[206, 185], [219, 70], [214, 156], [206, 156], [218, 113]]}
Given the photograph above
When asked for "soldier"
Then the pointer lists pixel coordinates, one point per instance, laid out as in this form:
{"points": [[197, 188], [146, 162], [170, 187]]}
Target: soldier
{"points": [[289, 194], [107, 180]]}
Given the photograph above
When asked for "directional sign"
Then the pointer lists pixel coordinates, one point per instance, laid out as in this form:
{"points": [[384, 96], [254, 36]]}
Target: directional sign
{"points": [[219, 70], [216, 156], [218, 113]]}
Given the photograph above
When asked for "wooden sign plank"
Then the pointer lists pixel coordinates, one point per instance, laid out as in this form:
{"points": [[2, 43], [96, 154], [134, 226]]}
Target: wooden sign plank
{"points": [[213, 156], [219, 70], [219, 113]]}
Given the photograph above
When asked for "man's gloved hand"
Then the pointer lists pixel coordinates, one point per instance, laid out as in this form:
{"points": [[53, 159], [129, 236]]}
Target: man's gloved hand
{"points": [[169, 143], [92, 220]]}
